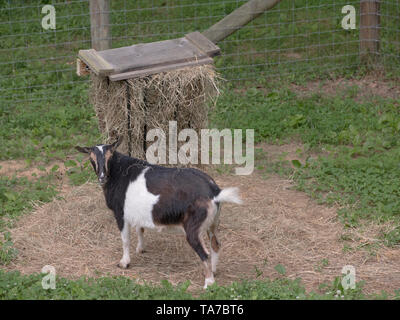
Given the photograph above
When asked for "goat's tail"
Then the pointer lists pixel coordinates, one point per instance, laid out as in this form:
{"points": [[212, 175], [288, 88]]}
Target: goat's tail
{"points": [[228, 195]]}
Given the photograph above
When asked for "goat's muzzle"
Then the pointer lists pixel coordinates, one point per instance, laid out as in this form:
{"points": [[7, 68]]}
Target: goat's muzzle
{"points": [[102, 179]]}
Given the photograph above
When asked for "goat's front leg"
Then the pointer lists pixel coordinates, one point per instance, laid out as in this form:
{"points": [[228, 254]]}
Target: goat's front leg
{"points": [[140, 245], [125, 236]]}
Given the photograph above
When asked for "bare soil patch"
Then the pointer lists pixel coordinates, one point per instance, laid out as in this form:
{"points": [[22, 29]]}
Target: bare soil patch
{"points": [[288, 152], [276, 224], [20, 169], [361, 89]]}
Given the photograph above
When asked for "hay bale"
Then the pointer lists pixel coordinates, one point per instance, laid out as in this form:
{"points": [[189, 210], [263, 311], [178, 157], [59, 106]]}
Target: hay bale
{"points": [[132, 107], [109, 100]]}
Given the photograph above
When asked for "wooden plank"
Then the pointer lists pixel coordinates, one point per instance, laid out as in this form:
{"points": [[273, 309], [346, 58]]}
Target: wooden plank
{"points": [[81, 68], [203, 43], [95, 62], [158, 69], [369, 28], [238, 18], [100, 24], [147, 55]]}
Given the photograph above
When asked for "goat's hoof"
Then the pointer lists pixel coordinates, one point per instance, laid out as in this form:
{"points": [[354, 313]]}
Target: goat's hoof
{"points": [[123, 265], [208, 282], [140, 250]]}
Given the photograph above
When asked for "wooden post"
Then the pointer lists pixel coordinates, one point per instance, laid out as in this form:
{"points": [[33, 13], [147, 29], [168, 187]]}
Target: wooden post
{"points": [[100, 24], [369, 29], [238, 18]]}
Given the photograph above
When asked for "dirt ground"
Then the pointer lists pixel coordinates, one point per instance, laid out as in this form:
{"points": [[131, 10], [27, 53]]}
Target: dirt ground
{"points": [[275, 225], [20, 169], [360, 89]]}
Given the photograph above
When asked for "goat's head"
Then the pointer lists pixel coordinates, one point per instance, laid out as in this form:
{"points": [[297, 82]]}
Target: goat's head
{"points": [[100, 156]]}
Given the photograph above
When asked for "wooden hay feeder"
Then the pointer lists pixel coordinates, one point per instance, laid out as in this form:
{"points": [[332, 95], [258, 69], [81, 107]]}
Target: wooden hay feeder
{"points": [[144, 86]]}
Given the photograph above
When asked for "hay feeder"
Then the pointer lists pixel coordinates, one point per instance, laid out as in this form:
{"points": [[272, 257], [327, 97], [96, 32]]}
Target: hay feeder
{"points": [[141, 87], [144, 86]]}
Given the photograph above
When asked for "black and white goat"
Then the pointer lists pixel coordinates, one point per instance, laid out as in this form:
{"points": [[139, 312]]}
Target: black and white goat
{"points": [[143, 195]]}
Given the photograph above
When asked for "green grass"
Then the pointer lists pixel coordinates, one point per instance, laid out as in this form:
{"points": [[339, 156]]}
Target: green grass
{"points": [[367, 187], [17, 195], [282, 114], [358, 143], [13, 285], [7, 251], [41, 131]]}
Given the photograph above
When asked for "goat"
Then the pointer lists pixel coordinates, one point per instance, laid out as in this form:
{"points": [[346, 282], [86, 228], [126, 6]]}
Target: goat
{"points": [[145, 195]]}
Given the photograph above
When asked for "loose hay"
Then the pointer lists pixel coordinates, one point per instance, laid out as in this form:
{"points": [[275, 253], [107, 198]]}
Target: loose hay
{"points": [[79, 237], [131, 108]]}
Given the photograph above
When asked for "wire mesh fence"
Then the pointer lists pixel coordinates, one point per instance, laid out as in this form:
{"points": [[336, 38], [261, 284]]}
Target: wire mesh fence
{"points": [[294, 38]]}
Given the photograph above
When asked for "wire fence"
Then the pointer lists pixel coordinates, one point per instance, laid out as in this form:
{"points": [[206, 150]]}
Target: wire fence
{"points": [[295, 38]]}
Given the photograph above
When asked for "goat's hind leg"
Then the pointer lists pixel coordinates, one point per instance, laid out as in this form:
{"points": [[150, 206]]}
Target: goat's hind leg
{"points": [[214, 243], [125, 236], [140, 244], [196, 244], [193, 237], [215, 246]]}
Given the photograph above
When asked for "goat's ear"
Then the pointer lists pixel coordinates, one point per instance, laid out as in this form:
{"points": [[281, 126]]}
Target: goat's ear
{"points": [[116, 144], [83, 149]]}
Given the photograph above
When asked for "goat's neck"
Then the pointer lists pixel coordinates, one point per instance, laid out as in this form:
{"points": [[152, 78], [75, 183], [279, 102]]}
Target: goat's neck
{"points": [[121, 165]]}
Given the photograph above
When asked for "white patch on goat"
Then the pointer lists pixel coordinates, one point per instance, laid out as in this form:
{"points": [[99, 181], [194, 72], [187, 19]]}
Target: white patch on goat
{"points": [[209, 275], [100, 148], [228, 195], [140, 244], [125, 236], [139, 203]]}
